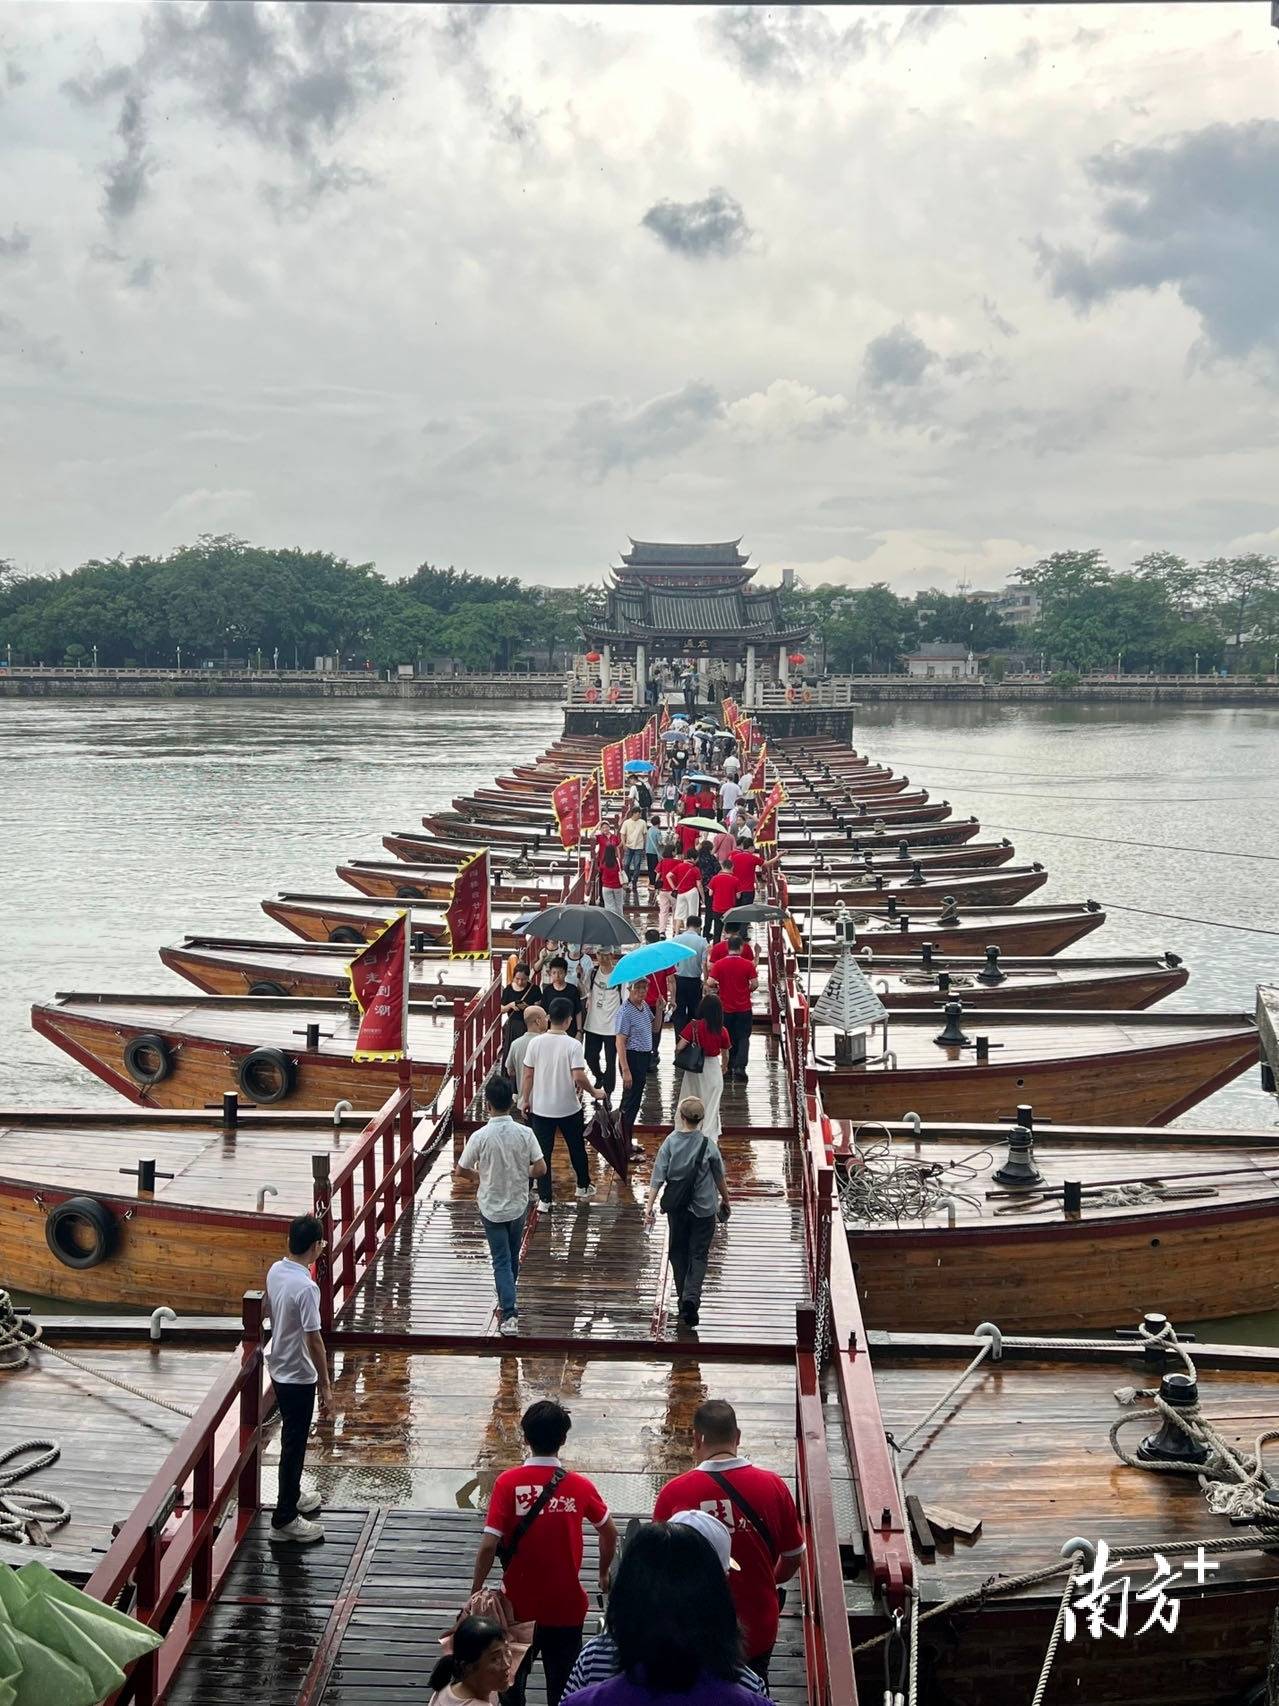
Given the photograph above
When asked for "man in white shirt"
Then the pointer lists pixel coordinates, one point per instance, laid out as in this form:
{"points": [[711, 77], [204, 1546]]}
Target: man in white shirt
{"points": [[299, 1371], [732, 766], [554, 1078], [730, 791], [534, 1026], [501, 1157]]}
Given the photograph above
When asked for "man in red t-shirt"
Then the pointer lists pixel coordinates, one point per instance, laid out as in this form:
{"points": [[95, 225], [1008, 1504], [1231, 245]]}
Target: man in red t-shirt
{"points": [[733, 943], [688, 893], [541, 1576], [734, 977], [687, 837], [757, 1509], [746, 865], [723, 887]]}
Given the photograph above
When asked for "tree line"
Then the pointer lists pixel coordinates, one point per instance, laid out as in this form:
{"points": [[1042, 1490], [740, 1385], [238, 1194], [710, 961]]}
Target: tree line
{"points": [[223, 598]]}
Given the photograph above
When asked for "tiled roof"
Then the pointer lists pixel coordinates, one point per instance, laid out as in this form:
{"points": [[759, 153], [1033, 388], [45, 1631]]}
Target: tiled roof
{"points": [[646, 553], [941, 651], [698, 612]]}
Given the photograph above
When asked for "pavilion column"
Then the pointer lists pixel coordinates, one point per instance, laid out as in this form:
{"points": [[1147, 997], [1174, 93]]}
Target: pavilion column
{"points": [[749, 693], [604, 667], [641, 671], [783, 665]]}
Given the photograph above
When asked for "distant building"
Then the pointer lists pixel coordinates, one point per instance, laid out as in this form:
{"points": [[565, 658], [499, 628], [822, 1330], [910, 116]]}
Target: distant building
{"points": [[1019, 606], [942, 661]]}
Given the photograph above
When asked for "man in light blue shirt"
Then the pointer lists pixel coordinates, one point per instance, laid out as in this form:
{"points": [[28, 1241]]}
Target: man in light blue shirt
{"points": [[688, 980], [502, 1157], [633, 1029]]}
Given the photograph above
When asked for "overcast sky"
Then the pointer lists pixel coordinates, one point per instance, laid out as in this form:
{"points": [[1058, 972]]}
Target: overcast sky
{"points": [[902, 294]]}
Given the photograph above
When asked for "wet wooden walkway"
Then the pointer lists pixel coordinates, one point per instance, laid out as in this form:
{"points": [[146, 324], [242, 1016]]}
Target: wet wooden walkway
{"points": [[356, 1622]]}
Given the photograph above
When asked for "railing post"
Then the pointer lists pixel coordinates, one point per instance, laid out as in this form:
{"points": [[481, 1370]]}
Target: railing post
{"points": [[323, 1209], [346, 1197], [460, 1072], [403, 1147], [147, 1586], [201, 1504], [249, 1486]]}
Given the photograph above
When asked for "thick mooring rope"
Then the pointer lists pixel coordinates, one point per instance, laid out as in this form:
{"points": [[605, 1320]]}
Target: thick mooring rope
{"points": [[18, 1338], [19, 1509]]}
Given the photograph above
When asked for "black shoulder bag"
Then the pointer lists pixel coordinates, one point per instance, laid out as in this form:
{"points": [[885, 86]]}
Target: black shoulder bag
{"points": [[678, 1194], [752, 1516], [507, 1549]]}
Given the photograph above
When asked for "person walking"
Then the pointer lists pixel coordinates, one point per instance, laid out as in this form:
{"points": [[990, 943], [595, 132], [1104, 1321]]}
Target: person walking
{"points": [[708, 1033], [732, 765], [600, 1035], [476, 1667], [555, 986], [299, 1374], [633, 1029], [688, 978], [534, 1525], [747, 863], [667, 872], [502, 1157], [690, 691], [554, 1077], [688, 893], [691, 1168], [670, 1628], [611, 878], [730, 791], [654, 836], [670, 799], [707, 871], [735, 979], [756, 1507], [534, 1026], [634, 836], [517, 995], [722, 890]]}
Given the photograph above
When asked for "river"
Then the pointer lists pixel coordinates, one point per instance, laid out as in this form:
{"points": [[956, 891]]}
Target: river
{"points": [[126, 824]]}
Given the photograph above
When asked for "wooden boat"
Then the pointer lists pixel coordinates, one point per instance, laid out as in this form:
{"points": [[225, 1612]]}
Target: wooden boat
{"points": [[507, 813], [233, 965], [183, 1051], [350, 918], [875, 830], [1002, 887], [1016, 931], [1204, 1243], [205, 1234], [1023, 1450], [434, 882], [1129, 983], [1083, 1067]]}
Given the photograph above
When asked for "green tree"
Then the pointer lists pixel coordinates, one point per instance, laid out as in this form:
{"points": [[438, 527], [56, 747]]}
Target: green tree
{"points": [[868, 629], [1238, 584], [949, 618]]}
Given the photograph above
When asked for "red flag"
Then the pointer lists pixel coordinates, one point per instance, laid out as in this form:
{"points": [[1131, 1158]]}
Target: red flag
{"points": [[591, 801], [766, 829], [633, 746], [468, 919], [664, 720], [613, 758], [756, 783], [566, 803], [380, 989]]}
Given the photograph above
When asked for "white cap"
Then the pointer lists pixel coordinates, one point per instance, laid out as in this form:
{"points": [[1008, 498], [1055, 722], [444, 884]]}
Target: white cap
{"points": [[711, 1530]]}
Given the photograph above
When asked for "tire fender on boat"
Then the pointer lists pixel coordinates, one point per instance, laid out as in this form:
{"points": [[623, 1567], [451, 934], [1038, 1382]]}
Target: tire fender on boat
{"points": [[147, 1059], [345, 933], [81, 1232], [265, 1076], [267, 989]]}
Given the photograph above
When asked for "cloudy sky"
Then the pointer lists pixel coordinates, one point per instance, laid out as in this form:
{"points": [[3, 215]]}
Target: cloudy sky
{"points": [[913, 294]]}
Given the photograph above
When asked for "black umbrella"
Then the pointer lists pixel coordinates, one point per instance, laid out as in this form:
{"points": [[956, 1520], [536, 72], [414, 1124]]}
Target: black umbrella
{"points": [[593, 925], [604, 1133], [754, 912]]}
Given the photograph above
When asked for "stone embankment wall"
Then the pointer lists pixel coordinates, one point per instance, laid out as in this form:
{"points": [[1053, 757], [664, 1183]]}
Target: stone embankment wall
{"points": [[191, 684], [1088, 692]]}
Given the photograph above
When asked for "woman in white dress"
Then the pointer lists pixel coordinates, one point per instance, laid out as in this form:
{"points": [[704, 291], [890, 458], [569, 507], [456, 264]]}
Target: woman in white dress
{"points": [[707, 1030]]}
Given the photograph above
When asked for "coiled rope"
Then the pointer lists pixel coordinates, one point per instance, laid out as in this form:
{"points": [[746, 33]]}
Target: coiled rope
{"points": [[19, 1509]]}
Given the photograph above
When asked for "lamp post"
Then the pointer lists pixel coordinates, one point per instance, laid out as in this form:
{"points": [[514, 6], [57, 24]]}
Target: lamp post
{"points": [[1196, 666], [179, 660], [95, 656], [1120, 669], [275, 659]]}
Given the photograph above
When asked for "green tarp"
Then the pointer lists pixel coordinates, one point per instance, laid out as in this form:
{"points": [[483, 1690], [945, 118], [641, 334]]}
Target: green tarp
{"points": [[59, 1647]]}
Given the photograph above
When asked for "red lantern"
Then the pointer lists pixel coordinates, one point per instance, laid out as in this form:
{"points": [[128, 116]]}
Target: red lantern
{"points": [[593, 657], [797, 658]]}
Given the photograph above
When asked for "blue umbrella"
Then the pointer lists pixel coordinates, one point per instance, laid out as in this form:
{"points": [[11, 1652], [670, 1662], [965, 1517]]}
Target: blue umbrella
{"points": [[641, 764], [653, 956]]}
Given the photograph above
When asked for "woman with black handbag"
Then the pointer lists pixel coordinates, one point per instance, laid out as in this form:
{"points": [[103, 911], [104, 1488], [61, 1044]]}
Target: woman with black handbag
{"points": [[702, 1045], [691, 1168]]}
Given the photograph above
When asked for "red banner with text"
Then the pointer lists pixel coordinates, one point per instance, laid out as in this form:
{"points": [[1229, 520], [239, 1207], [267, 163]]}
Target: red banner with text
{"points": [[612, 759], [590, 812], [566, 803], [766, 829], [380, 989], [756, 783], [468, 919]]}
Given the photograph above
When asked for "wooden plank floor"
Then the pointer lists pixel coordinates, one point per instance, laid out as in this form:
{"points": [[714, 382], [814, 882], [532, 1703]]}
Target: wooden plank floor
{"points": [[406, 1573], [591, 1270]]}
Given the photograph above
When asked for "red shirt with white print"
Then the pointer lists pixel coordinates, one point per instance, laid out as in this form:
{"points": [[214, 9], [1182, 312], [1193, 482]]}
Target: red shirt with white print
{"points": [[752, 1584], [542, 1580]]}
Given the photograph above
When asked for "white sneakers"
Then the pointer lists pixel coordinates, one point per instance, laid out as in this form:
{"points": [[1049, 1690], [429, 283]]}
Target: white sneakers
{"points": [[309, 1503], [508, 1326], [299, 1532], [585, 1192]]}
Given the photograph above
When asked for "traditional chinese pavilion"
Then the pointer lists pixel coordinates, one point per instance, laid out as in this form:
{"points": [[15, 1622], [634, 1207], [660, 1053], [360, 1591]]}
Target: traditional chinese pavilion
{"points": [[691, 601]]}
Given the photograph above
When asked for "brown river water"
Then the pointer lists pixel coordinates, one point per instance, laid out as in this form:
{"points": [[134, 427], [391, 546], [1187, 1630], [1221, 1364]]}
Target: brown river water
{"points": [[126, 824]]}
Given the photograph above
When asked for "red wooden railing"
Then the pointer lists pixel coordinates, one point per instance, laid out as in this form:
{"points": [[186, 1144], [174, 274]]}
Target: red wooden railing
{"points": [[888, 1545], [379, 1171], [477, 1044], [828, 1651], [174, 1573]]}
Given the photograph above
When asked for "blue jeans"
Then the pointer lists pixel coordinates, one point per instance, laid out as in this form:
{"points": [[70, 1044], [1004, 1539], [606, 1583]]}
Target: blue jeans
{"points": [[504, 1246]]}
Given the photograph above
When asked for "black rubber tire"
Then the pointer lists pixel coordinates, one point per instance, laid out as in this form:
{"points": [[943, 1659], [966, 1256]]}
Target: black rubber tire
{"points": [[403, 893], [147, 1059], [266, 1076], [81, 1232], [266, 989], [345, 933]]}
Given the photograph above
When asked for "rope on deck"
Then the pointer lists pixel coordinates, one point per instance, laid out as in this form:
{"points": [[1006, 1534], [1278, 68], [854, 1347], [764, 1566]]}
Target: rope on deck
{"points": [[19, 1510], [18, 1338]]}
